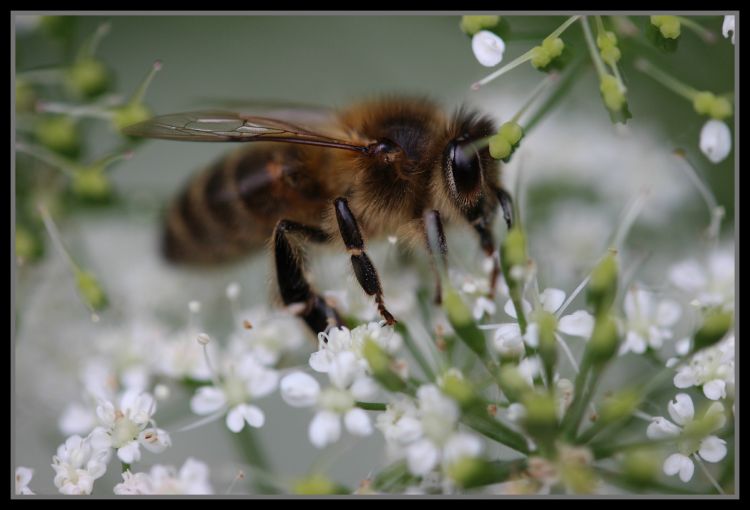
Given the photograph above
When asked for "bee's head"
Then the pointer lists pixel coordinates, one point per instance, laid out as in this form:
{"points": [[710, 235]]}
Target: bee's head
{"points": [[468, 169]]}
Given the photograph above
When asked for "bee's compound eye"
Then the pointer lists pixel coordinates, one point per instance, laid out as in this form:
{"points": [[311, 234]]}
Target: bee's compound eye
{"points": [[463, 163]]}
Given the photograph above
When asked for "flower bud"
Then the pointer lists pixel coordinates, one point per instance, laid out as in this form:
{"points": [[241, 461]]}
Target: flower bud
{"points": [[512, 132], [91, 184], [547, 324], [468, 471], [90, 290], [459, 389], [540, 57], [541, 414], [488, 48], [514, 248], [315, 484], [604, 340], [462, 321], [381, 365], [641, 466], [602, 287], [473, 24], [60, 134], [88, 77], [512, 382], [29, 246], [619, 406], [554, 47], [500, 147], [715, 140], [714, 327], [129, 114]]}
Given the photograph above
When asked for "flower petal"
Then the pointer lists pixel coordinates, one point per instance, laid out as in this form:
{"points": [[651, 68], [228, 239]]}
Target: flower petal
{"points": [[661, 428], [668, 313], [678, 463], [728, 26], [253, 415], [235, 421], [685, 378], [343, 369], [716, 140], [325, 429], [488, 48], [579, 323], [714, 390], [357, 422], [713, 449], [364, 388], [422, 457], [155, 440], [510, 309], [681, 409], [552, 299], [300, 390], [130, 452], [461, 445], [207, 400]]}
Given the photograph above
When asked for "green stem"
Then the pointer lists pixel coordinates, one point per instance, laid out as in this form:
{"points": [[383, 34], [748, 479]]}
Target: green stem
{"points": [[619, 480], [572, 416], [668, 81], [125, 467], [371, 406], [559, 30], [507, 67], [600, 69], [715, 211], [564, 85], [255, 457], [54, 234], [89, 47], [141, 90], [535, 95], [415, 351], [707, 473], [699, 29], [497, 431], [48, 157]]}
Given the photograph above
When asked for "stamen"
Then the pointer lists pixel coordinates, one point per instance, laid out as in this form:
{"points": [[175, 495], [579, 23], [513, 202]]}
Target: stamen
{"points": [[240, 476], [203, 421], [141, 90], [48, 157], [715, 211], [204, 340]]}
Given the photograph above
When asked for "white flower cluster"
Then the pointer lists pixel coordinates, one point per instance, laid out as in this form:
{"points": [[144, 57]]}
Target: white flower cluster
{"points": [[192, 478]]}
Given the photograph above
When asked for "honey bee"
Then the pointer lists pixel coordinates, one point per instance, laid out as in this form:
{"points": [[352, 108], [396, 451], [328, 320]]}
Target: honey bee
{"points": [[389, 166]]}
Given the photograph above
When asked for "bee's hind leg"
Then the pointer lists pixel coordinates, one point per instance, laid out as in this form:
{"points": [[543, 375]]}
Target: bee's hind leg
{"points": [[294, 288], [364, 270], [435, 239]]}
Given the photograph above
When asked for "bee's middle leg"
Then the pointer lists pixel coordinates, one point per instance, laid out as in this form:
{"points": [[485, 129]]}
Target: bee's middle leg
{"points": [[433, 226], [364, 270], [293, 286], [483, 226]]}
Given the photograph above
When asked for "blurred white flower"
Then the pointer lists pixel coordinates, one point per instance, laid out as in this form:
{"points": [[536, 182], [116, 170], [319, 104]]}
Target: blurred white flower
{"points": [[124, 427], [192, 478], [271, 336], [710, 284], [711, 368], [647, 321], [710, 448], [23, 477], [349, 384], [339, 340], [488, 48], [716, 140], [180, 356], [400, 426], [728, 26], [240, 383], [77, 464]]}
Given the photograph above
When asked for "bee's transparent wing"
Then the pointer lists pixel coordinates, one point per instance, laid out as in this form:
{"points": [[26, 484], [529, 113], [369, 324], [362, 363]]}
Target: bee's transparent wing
{"points": [[218, 126]]}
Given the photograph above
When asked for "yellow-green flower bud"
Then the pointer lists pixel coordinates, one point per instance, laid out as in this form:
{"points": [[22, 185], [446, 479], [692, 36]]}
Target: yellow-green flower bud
{"points": [[540, 57], [613, 96], [91, 184], [473, 24], [380, 364], [711, 420], [512, 132], [462, 321], [547, 324], [703, 101], [60, 134], [714, 327], [720, 108], [611, 55], [500, 147], [466, 470], [670, 27], [512, 382], [315, 484], [28, 246], [129, 114], [90, 290], [514, 248], [88, 77], [641, 465], [602, 287], [604, 340], [459, 389], [619, 406], [606, 39], [541, 414], [554, 47]]}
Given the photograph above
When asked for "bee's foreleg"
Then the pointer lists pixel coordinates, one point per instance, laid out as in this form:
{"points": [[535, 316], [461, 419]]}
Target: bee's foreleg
{"points": [[364, 270], [435, 238], [293, 286]]}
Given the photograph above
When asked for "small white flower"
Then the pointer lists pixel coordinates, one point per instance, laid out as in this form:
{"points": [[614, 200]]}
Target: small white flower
{"points": [[647, 321], [192, 478], [300, 390], [488, 48], [77, 464], [483, 306], [710, 448], [271, 335], [716, 140], [710, 284], [123, 427], [728, 26], [711, 368], [23, 477], [243, 381]]}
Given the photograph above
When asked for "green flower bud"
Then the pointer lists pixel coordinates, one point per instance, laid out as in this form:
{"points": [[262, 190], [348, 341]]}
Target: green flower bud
{"points": [[462, 321], [720, 108], [500, 147], [714, 327], [540, 57], [711, 420], [602, 287], [604, 340], [657, 20], [380, 364], [547, 323], [60, 134], [91, 184], [613, 96], [512, 382], [703, 101], [611, 55], [90, 290], [670, 27], [315, 484], [88, 77], [129, 114], [554, 47], [513, 248], [467, 470], [512, 132], [459, 389], [473, 24], [619, 406], [641, 466], [605, 40], [25, 96], [541, 414]]}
